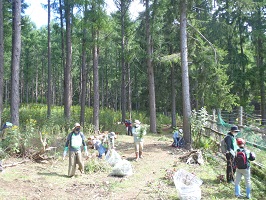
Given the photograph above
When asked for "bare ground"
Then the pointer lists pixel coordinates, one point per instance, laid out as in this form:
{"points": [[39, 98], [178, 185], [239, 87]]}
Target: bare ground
{"points": [[49, 181]]}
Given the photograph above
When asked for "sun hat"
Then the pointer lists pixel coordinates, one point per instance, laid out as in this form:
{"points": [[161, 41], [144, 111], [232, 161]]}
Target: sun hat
{"points": [[137, 122], [77, 124]]}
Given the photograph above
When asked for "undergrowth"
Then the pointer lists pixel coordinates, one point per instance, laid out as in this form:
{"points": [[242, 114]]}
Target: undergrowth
{"points": [[96, 165]]}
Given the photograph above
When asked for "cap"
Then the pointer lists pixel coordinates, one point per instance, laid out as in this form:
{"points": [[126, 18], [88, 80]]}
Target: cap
{"points": [[240, 141], [235, 129], [180, 130]]}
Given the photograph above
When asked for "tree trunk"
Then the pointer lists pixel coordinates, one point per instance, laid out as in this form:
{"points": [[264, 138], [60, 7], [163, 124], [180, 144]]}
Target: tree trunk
{"points": [[96, 105], [129, 93], [83, 72], [62, 44], [150, 72], [15, 65], [173, 83], [1, 61], [67, 76], [123, 79], [106, 82], [262, 80], [261, 67], [49, 93], [185, 75], [36, 85]]}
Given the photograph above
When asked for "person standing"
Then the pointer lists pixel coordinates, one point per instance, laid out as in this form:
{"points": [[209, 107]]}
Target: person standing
{"points": [[231, 146], [242, 161], [138, 132], [75, 140], [128, 125]]}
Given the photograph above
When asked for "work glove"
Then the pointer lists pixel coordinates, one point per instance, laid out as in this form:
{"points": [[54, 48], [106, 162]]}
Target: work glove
{"points": [[65, 152], [232, 152], [86, 151]]}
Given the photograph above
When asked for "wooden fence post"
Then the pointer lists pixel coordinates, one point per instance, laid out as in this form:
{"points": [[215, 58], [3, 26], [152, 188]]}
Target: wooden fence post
{"points": [[213, 118], [240, 118], [219, 125]]}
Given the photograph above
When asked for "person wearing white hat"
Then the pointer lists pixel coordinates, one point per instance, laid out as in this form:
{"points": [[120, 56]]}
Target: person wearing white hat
{"points": [[138, 133], [75, 140], [176, 137]]}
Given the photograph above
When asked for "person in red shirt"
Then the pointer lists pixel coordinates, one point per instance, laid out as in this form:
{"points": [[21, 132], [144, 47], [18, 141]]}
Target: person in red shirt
{"points": [[128, 125]]}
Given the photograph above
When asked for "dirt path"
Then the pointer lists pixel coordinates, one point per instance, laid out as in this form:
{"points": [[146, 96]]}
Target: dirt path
{"points": [[49, 181]]}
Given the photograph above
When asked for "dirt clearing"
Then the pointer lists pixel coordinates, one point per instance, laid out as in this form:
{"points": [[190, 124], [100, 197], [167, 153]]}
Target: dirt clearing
{"points": [[149, 180]]}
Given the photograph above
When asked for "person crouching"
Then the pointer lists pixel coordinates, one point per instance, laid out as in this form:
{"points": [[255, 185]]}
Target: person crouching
{"points": [[99, 147]]}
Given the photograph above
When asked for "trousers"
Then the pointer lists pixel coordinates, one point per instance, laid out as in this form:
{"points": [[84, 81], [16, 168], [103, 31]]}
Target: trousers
{"points": [[75, 158]]}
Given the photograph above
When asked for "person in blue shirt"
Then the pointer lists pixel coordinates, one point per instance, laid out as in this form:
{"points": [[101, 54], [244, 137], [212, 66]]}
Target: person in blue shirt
{"points": [[176, 137], [75, 140], [98, 145], [4, 127]]}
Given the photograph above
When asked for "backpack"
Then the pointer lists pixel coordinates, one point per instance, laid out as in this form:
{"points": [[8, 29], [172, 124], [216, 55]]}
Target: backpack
{"points": [[241, 159], [223, 146]]}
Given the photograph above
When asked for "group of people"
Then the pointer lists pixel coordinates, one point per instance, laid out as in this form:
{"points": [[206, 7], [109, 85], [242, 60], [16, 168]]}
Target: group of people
{"points": [[238, 162], [76, 139], [237, 156]]}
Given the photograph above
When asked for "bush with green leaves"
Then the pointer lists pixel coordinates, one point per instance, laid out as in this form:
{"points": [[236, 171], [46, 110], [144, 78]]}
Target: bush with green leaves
{"points": [[198, 120]]}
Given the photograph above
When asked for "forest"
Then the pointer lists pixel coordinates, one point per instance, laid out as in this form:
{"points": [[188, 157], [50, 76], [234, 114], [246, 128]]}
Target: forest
{"points": [[175, 57], [171, 67]]}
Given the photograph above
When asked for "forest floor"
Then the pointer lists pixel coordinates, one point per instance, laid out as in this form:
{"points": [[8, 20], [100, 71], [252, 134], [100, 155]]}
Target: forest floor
{"points": [[151, 177]]}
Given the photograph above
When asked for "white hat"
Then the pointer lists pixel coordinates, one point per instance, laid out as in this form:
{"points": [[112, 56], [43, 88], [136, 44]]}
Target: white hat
{"points": [[137, 122], [181, 130], [77, 124], [112, 135]]}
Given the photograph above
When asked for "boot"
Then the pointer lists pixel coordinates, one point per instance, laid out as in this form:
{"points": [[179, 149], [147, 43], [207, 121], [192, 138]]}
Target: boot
{"points": [[140, 154], [248, 189], [237, 191], [137, 156]]}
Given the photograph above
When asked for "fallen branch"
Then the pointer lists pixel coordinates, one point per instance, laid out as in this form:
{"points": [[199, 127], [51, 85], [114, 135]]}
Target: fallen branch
{"points": [[14, 164], [39, 156]]}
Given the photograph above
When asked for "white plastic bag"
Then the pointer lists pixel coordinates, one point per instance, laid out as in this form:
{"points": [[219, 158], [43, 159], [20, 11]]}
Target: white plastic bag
{"points": [[112, 157], [187, 185], [122, 168]]}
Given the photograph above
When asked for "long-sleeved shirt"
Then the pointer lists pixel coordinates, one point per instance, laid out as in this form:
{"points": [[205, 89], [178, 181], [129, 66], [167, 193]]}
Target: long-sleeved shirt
{"points": [[136, 131], [230, 141]]}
